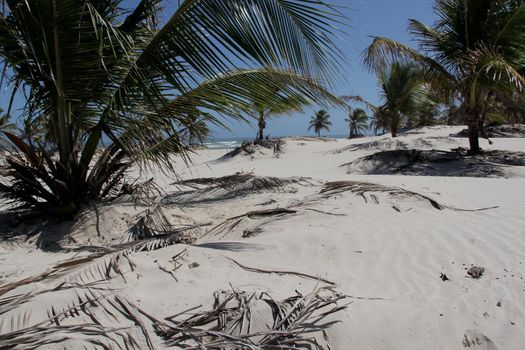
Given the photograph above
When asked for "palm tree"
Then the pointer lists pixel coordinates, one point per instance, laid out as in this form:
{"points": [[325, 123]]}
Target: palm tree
{"points": [[475, 50], [93, 71], [379, 121], [357, 122], [296, 92], [278, 105], [320, 121], [402, 94], [195, 127]]}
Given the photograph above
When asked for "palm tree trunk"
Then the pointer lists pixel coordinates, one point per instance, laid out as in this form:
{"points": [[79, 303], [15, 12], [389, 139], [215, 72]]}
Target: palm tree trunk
{"points": [[473, 123], [61, 110], [262, 125]]}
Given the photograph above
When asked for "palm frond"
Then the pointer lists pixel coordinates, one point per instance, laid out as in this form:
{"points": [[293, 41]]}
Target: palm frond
{"points": [[296, 321], [207, 190], [363, 189]]}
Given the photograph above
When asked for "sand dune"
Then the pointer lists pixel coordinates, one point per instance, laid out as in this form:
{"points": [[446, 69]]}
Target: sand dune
{"points": [[278, 225]]}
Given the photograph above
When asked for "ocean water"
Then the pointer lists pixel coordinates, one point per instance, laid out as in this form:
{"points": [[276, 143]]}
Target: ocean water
{"points": [[231, 143], [226, 143]]}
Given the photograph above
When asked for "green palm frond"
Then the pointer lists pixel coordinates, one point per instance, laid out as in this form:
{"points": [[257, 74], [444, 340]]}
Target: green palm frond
{"points": [[94, 72]]}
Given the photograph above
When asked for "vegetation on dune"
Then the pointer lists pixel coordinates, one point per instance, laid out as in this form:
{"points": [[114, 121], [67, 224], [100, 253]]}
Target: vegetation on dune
{"points": [[402, 93], [475, 53], [97, 77], [407, 102], [320, 121]]}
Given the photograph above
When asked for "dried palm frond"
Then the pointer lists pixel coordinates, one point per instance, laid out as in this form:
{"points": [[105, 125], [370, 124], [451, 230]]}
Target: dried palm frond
{"points": [[153, 230], [268, 215], [9, 303], [364, 188], [143, 192], [282, 273], [296, 321], [91, 268], [225, 181], [181, 235], [89, 319], [373, 145], [205, 190], [149, 223]]}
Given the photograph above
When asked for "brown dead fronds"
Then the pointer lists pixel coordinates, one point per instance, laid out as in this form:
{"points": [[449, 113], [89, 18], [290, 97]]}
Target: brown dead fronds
{"points": [[297, 322]]}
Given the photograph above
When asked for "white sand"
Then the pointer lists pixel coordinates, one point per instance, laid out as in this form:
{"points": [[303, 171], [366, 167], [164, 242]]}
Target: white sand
{"points": [[388, 261]]}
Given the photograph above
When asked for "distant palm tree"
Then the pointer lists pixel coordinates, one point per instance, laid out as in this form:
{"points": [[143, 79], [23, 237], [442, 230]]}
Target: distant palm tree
{"points": [[296, 92], [357, 122], [320, 121], [402, 94], [474, 51], [195, 128], [379, 121]]}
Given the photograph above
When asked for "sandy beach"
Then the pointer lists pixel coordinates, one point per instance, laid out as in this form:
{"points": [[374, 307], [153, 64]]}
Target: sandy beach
{"points": [[396, 248]]}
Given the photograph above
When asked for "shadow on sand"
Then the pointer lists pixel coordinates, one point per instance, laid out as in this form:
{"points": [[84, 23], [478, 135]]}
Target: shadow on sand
{"points": [[436, 163]]}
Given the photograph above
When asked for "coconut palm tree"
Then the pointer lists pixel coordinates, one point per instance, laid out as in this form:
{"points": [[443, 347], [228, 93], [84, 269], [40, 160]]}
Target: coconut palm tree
{"points": [[402, 93], [320, 121], [278, 105], [293, 98], [96, 71], [357, 122], [475, 50], [196, 128], [379, 121]]}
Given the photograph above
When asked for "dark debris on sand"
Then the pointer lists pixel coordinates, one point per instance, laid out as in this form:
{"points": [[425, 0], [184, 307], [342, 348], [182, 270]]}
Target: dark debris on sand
{"points": [[456, 162], [498, 131], [476, 272], [249, 148]]}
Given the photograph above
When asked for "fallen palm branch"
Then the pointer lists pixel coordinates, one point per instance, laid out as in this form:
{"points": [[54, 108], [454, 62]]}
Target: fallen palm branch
{"points": [[298, 322], [282, 273], [153, 222], [207, 190], [366, 191], [92, 268], [229, 181], [364, 188], [106, 262], [373, 145], [89, 320], [230, 224], [146, 192], [324, 212]]}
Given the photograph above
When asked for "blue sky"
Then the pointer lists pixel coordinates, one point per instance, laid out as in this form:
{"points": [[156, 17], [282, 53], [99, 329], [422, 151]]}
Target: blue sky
{"points": [[387, 18]]}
